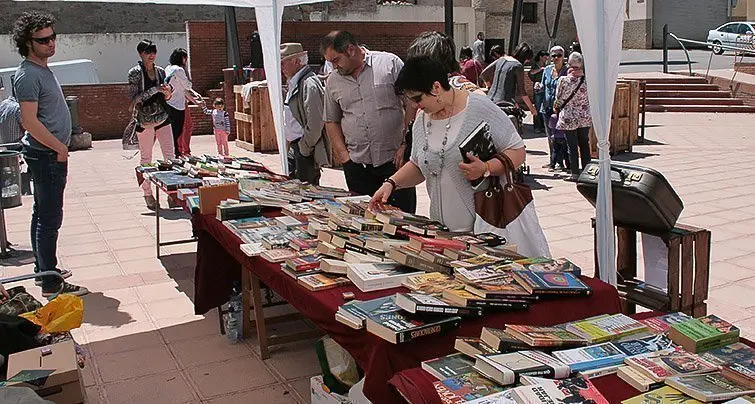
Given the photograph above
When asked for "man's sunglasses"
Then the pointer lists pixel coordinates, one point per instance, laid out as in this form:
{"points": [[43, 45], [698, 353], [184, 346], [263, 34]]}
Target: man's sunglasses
{"points": [[416, 98], [45, 40], [557, 55]]}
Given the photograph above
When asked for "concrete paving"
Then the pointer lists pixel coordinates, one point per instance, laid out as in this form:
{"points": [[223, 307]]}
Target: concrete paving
{"points": [[145, 344]]}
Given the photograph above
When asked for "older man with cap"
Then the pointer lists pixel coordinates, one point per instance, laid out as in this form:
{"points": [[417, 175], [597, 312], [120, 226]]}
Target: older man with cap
{"points": [[308, 149]]}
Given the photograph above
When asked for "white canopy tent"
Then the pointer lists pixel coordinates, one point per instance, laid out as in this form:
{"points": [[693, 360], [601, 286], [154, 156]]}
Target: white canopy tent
{"points": [[600, 25], [269, 15]]}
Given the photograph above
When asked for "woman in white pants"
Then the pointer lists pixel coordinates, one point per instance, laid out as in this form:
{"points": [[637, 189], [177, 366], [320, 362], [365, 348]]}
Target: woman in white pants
{"points": [[149, 93]]}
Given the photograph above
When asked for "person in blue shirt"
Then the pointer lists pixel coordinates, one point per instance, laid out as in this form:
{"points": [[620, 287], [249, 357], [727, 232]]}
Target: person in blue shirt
{"points": [[552, 72]]}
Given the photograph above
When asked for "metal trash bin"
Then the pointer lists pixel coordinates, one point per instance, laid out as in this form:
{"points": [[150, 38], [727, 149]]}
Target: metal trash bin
{"points": [[10, 179]]}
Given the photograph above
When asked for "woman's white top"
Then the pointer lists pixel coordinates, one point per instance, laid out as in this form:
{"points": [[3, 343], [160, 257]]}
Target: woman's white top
{"points": [[176, 77]]}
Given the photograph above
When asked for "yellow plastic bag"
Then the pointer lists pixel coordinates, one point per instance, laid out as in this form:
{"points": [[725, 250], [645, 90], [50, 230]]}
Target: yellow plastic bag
{"points": [[64, 313]]}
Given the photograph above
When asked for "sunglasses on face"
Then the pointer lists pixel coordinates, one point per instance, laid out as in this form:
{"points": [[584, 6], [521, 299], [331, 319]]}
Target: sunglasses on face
{"points": [[557, 55], [416, 98], [45, 40]]}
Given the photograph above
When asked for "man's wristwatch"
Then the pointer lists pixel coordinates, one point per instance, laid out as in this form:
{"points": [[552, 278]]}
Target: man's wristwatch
{"points": [[486, 174]]}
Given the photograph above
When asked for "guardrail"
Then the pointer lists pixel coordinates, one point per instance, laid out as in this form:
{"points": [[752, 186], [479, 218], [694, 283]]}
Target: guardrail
{"points": [[708, 45]]}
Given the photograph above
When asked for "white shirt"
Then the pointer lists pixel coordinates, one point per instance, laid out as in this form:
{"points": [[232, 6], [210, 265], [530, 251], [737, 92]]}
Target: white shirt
{"points": [[453, 211], [176, 77]]}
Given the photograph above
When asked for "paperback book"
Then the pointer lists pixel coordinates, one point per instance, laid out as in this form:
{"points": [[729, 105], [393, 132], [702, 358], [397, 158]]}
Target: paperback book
{"points": [[506, 368], [432, 283], [661, 324], [703, 334], [540, 336], [500, 341], [355, 312], [377, 276], [572, 390], [473, 346], [466, 387], [606, 328], [550, 283], [544, 264], [663, 364], [708, 387], [333, 266], [399, 327], [645, 345], [590, 357], [448, 366], [321, 281], [663, 395], [417, 303], [505, 286], [463, 297], [636, 379]]}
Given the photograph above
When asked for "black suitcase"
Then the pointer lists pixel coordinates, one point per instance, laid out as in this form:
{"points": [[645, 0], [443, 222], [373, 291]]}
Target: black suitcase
{"points": [[642, 198]]}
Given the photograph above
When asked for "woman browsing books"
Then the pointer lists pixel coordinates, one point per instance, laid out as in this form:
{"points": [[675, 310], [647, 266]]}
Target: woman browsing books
{"points": [[447, 116]]}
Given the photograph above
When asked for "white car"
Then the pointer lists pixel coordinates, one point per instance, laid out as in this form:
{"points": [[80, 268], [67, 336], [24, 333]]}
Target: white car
{"points": [[739, 34]]}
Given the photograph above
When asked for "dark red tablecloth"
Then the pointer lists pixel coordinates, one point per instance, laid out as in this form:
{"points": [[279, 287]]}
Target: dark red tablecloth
{"points": [[219, 260], [416, 385]]}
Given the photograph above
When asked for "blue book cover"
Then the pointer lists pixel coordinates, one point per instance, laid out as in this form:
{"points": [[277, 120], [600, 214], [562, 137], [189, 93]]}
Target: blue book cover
{"points": [[559, 283], [640, 346], [591, 357]]}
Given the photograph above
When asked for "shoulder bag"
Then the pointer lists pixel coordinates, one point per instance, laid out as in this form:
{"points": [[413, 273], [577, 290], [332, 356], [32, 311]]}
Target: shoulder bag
{"points": [[560, 107], [506, 208]]}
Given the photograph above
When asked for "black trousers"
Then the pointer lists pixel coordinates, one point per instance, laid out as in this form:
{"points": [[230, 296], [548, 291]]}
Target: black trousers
{"points": [[578, 142], [177, 124], [302, 167], [366, 179]]}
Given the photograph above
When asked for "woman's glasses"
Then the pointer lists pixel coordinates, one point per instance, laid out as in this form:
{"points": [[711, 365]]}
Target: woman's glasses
{"points": [[557, 55], [45, 40], [416, 98]]}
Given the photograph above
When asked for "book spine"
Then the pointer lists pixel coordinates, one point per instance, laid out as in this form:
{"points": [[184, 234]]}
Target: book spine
{"points": [[717, 342], [427, 330], [498, 305], [307, 266], [558, 292], [449, 310], [417, 263]]}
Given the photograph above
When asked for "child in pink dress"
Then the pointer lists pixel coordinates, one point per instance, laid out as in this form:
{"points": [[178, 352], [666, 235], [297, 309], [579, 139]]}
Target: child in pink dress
{"points": [[221, 125]]}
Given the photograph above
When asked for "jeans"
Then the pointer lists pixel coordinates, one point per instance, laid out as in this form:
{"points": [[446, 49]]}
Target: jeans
{"points": [[560, 153], [539, 121], [578, 141], [302, 167], [49, 178], [177, 117], [366, 179]]}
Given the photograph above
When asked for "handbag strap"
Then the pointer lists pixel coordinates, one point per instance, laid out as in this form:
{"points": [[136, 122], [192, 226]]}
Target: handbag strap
{"points": [[581, 81], [508, 167]]}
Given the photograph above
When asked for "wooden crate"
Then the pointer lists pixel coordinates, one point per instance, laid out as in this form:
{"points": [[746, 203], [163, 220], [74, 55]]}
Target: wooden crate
{"points": [[254, 123], [624, 119], [688, 271]]}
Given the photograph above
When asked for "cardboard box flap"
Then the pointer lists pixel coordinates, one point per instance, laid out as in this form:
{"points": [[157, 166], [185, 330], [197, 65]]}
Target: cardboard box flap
{"points": [[31, 369], [211, 196]]}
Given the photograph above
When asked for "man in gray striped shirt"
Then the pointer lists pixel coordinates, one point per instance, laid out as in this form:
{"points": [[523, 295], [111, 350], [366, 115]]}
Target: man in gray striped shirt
{"points": [[364, 117], [10, 121]]}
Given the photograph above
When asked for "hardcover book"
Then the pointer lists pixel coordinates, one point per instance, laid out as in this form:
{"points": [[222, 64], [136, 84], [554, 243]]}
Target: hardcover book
{"points": [[466, 387], [417, 303], [399, 327], [333, 266], [572, 390], [663, 395], [551, 283], [590, 357], [708, 387], [411, 259], [304, 262], [463, 297], [371, 277], [662, 364], [356, 312], [480, 144], [704, 334], [539, 336], [448, 366]]}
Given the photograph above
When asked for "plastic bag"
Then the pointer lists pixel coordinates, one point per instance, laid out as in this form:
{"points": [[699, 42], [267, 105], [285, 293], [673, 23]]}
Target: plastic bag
{"points": [[64, 313], [339, 369]]}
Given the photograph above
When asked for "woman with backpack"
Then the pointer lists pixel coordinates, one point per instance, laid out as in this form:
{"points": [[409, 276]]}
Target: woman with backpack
{"points": [[149, 93]]}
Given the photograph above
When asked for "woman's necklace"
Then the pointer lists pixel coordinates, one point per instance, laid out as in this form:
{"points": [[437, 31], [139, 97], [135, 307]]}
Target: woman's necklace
{"points": [[426, 125]]}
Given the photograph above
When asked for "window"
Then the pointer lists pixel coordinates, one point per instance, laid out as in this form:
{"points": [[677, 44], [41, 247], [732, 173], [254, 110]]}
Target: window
{"points": [[529, 13], [728, 28], [743, 29]]}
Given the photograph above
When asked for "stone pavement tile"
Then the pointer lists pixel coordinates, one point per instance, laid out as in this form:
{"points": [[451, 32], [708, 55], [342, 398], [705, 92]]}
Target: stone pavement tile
{"points": [[96, 334], [126, 243], [721, 254], [747, 327], [111, 236], [126, 343], [548, 222], [172, 308], [747, 261], [88, 260], [177, 329], [158, 291], [89, 374], [275, 394], [302, 388], [95, 272], [77, 229], [706, 220], [222, 378], [556, 234], [114, 216], [96, 317], [118, 225], [68, 240], [730, 272], [114, 282], [715, 282], [733, 203], [112, 298], [85, 248], [141, 265], [73, 220], [151, 278], [95, 395], [135, 254], [695, 209], [735, 295], [721, 233], [574, 245], [126, 365], [295, 360], [743, 227], [739, 243], [164, 388], [287, 328], [581, 229], [204, 350]]}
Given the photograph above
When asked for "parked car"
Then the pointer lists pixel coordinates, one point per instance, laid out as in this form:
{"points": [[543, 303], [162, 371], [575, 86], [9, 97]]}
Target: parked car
{"points": [[739, 34]]}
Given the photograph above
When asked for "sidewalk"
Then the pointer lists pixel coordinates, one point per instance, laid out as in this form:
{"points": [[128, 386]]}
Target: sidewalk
{"points": [[145, 344]]}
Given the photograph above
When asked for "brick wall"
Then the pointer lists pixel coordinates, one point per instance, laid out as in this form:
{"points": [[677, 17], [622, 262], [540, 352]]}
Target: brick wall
{"points": [[104, 110], [206, 42]]}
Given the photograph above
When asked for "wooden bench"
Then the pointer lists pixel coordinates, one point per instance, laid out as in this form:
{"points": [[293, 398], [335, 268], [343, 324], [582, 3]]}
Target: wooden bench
{"points": [[688, 271]]}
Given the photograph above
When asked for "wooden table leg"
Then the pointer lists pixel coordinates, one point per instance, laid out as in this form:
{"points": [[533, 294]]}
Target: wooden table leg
{"points": [[246, 321], [259, 317]]}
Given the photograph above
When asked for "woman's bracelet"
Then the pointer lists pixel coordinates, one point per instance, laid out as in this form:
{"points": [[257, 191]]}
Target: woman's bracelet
{"points": [[392, 182]]}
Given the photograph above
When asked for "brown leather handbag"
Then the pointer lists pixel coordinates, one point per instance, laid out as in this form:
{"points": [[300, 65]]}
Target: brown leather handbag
{"points": [[500, 204]]}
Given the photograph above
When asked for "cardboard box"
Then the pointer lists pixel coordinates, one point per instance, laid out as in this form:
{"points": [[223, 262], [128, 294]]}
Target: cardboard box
{"points": [[61, 380], [320, 393], [210, 197]]}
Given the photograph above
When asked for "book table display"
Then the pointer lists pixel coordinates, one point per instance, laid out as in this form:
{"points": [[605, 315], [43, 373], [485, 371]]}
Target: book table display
{"points": [[220, 261]]}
